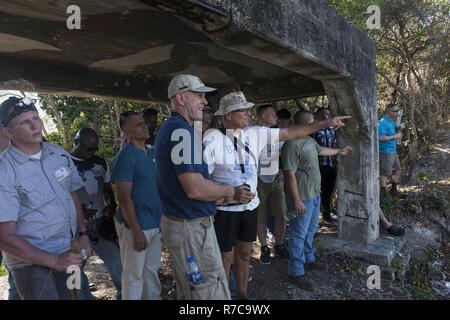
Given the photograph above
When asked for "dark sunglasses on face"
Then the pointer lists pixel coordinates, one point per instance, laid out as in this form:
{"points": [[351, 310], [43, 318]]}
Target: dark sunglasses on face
{"points": [[207, 110], [89, 149]]}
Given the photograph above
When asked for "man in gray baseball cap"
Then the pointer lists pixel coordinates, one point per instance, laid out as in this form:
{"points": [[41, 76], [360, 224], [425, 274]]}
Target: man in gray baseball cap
{"points": [[187, 194], [187, 82]]}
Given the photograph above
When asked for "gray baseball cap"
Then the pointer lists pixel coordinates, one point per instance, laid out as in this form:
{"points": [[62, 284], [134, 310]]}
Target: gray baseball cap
{"points": [[187, 82], [232, 102]]}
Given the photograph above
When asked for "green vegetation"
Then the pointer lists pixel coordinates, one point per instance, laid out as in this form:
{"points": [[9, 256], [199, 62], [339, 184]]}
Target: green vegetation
{"points": [[3, 271], [419, 276], [413, 63], [73, 113]]}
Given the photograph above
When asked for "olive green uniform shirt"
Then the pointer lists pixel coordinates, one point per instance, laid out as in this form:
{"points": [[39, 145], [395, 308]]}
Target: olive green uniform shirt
{"points": [[301, 156]]}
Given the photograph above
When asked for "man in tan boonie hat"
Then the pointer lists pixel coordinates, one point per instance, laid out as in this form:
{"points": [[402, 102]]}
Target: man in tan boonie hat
{"points": [[233, 157], [187, 82], [232, 102]]}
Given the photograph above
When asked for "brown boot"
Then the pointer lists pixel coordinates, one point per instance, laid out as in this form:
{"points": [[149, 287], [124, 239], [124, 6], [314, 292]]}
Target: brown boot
{"points": [[302, 282], [317, 266]]}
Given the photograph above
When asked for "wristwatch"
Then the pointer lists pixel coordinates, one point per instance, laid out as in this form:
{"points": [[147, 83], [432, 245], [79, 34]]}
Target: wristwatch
{"points": [[83, 233]]}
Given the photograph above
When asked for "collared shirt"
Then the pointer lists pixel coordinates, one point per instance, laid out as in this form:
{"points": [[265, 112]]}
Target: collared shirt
{"points": [[326, 138], [224, 162], [139, 168], [301, 156], [35, 193], [386, 127], [176, 153]]}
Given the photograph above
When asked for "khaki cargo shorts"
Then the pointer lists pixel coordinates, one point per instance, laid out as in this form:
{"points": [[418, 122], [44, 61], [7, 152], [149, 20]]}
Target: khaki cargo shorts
{"points": [[195, 237], [388, 163]]}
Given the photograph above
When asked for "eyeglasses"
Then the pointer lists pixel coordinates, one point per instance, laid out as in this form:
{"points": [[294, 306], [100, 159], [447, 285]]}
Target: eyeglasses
{"points": [[207, 110]]}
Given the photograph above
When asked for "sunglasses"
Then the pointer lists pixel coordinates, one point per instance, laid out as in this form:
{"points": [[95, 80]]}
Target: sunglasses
{"points": [[207, 110], [89, 149], [25, 102]]}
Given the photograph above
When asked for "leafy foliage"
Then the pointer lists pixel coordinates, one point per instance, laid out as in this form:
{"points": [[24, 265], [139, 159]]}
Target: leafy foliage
{"points": [[99, 114], [413, 63]]}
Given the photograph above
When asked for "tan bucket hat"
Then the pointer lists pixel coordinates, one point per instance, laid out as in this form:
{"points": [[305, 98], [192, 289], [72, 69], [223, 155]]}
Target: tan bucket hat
{"points": [[187, 82], [232, 102]]}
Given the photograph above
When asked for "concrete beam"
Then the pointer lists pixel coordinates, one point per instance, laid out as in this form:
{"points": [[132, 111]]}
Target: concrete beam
{"points": [[39, 76]]}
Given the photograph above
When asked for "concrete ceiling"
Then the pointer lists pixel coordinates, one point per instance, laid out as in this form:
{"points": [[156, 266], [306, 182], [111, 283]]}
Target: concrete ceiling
{"points": [[130, 49]]}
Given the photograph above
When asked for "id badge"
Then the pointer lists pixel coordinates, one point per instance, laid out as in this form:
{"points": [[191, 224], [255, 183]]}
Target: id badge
{"points": [[62, 173]]}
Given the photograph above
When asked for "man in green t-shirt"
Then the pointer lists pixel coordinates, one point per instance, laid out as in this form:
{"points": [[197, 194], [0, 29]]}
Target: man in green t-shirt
{"points": [[300, 163]]}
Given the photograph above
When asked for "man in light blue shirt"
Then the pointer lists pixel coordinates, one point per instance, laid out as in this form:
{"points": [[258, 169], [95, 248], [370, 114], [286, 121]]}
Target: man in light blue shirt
{"points": [[388, 135], [40, 212]]}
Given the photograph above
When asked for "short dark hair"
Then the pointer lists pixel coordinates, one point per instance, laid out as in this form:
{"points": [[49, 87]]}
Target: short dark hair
{"points": [[284, 114], [391, 106], [320, 109], [150, 112], [302, 117], [260, 110], [124, 117], [86, 133]]}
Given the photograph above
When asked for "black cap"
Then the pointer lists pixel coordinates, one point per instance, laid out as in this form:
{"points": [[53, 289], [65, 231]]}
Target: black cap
{"points": [[14, 106], [392, 107]]}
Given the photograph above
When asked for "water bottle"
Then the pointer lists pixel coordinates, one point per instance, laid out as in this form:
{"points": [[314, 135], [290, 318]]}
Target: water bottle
{"points": [[192, 271]]}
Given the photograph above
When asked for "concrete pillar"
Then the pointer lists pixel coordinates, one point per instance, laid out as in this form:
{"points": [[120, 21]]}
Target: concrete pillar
{"points": [[358, 174]]}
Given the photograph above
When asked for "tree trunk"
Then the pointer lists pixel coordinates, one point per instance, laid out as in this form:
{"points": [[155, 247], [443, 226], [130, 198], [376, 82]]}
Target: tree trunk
{"points": [[59, 120]]}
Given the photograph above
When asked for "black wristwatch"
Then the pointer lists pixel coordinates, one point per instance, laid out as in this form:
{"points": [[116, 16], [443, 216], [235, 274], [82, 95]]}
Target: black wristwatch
{"points": [[83, 233]]}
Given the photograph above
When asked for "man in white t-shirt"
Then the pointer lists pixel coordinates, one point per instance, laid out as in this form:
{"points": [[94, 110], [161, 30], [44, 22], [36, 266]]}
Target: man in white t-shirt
{"points": [[233, 159]]}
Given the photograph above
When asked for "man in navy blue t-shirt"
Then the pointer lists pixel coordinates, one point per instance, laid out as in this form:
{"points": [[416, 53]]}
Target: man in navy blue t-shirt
{"points": [[188, 196]]}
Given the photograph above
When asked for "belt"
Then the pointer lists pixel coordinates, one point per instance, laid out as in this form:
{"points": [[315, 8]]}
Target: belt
{"points": [[175, 218]]}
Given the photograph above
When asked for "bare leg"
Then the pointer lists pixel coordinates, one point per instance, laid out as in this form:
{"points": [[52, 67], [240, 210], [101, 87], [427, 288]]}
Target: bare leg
{"points": [[227, 260], [384, 222], [279, 230], [262, 234], [383, 181], [396, 176], [242, 254]]}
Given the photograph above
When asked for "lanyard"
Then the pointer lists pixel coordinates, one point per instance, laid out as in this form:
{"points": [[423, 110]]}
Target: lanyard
{"points": [[235, 143]]}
